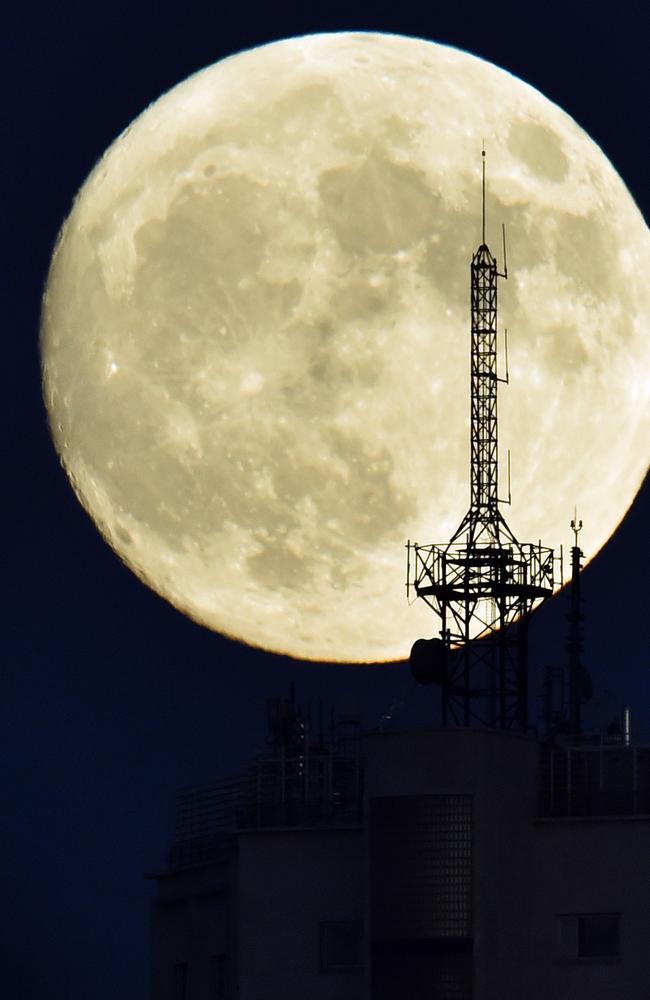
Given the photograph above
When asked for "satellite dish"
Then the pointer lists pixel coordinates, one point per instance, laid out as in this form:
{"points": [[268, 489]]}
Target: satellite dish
{"points": [[428, 658]]}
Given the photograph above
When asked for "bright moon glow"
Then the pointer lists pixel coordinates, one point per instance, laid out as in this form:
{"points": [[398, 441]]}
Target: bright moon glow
{"points": [[256, 333]]}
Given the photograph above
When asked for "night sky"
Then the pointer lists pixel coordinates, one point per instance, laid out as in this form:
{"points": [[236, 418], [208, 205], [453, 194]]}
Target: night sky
{"points": [[111, 699]]}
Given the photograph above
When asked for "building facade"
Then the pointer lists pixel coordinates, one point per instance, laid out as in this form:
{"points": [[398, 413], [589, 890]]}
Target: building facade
{"points": [[457, 864]]}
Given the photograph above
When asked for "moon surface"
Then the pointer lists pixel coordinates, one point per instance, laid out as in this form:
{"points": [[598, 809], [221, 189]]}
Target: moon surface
{"points": [[255, 333]]}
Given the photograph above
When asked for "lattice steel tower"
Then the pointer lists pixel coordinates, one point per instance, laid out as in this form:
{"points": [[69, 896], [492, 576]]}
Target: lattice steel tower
{"points": [[483, 583]]}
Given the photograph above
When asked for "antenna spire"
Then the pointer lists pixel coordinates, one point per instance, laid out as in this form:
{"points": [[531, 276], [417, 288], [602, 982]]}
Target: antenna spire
{"points": [[576, 526], [483, 205], [577, 673]]}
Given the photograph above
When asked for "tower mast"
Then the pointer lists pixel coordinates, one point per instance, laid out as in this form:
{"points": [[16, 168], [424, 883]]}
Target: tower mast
{"points": [[575, 641], [483, 583]]}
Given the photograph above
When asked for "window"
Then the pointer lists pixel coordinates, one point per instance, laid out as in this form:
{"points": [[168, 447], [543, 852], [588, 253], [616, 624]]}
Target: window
{"points": [[340, 945], [589, 935], [180, 981], [218, 970]]}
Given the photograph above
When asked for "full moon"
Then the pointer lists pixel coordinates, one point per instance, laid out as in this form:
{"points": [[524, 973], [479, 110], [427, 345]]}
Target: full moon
{"points": [[255, 333]]}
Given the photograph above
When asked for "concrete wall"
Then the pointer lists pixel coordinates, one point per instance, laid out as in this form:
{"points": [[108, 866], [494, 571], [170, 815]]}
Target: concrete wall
{"points": [[191, 924], [590, 866], [289, 882]]}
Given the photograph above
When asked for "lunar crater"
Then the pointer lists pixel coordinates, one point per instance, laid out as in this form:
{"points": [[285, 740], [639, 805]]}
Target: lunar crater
{"points": [[540, 149], [375, 205]]}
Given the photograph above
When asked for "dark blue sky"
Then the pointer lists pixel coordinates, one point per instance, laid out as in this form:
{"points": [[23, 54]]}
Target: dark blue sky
{"points": [[110, 698]]}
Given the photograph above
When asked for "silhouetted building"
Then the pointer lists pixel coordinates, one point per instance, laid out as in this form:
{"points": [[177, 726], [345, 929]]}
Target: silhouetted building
{"points": [[449, 863]]}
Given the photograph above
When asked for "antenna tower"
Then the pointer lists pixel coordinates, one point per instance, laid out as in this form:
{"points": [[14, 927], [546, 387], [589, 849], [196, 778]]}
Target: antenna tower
{"points": [[483, 584], [577, 673]]}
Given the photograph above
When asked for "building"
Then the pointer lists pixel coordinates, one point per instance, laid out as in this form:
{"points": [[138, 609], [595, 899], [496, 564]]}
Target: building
{"points": [[446, 863]]}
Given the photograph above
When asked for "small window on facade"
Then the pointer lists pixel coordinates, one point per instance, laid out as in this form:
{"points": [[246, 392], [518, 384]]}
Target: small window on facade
{"points": [[598, 935], [340, 945], [589, 935], [179, 975], [219, 977]]}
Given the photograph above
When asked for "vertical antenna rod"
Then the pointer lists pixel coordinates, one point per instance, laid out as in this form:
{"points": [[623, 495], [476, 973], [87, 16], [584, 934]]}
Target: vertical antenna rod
{"points": [[483, 204], [575, 638]]}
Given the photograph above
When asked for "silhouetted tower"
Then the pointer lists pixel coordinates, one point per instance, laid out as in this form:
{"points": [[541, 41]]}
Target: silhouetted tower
{"points": [[483, 583], [577, 674], [567, 688]]}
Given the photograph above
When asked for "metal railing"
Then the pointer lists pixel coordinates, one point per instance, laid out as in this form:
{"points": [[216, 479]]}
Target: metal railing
{"points": [[319, 788], [603, 780]]}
